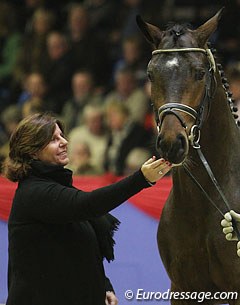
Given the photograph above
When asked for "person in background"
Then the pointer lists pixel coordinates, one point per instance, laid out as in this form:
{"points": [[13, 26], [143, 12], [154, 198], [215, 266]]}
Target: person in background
{"points": [[124, 135], [93, 133], [33, 105], [60, 235], [83, 93], [132, 59], [10, 42], [90, 52], [33, 46], [80, 160], [127, 92], [10, 118], [135, 158], [33, 86], [57, 67]]}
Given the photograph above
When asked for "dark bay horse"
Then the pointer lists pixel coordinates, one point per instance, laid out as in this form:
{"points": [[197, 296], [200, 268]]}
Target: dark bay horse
{"points": [[193, 109]]}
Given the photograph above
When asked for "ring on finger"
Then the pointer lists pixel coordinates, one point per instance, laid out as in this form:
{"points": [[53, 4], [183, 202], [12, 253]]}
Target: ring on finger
{"points": [[160, 172]]}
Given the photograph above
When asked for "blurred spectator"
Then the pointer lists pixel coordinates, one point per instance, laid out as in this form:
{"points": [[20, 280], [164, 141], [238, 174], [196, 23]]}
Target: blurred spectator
{"points": [[124, 136], [135, 159], [128, 93], [80, 160], [34, 86], [33, 46], [10, 40], [32, 106], [83, 93], [132, 9], [26, 10], [102, 15], [132, 59], [93, 133], [90, 52], [57, 68], [10, 118]]}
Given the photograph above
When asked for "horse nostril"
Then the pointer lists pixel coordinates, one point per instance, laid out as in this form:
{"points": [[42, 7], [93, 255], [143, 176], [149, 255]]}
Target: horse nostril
{"points": [[159, 139], [182, 141]]}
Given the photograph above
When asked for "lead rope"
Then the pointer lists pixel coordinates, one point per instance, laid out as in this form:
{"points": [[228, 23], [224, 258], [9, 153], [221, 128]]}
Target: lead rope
{"points": [[216, 184]]}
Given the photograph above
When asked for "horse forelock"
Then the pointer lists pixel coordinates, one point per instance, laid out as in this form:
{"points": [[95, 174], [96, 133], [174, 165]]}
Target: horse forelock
{"points": [[178, 27], [178, 35]]}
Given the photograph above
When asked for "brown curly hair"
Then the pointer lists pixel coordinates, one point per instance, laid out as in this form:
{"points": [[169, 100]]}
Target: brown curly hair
{"points": [[31, 135]]}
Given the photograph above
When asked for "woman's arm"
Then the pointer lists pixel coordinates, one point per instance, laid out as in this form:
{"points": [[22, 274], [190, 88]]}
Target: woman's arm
{"points": [[51, 202]]}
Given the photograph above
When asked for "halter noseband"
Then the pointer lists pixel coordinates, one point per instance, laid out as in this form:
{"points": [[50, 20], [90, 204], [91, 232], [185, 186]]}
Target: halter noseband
{"points": [[173, 108]]}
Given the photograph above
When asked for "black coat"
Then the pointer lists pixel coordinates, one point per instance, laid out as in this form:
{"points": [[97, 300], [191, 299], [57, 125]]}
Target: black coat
{"points": [[59, 235]]}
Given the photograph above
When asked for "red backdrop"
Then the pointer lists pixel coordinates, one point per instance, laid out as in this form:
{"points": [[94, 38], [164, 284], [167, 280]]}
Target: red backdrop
{"points": [[150, 201]]}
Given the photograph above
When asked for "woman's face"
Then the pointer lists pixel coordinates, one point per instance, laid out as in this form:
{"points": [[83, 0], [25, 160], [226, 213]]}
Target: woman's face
{"points": [[56, 150]]}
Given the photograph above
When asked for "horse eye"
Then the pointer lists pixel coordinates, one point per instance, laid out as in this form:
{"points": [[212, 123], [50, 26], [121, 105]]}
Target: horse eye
{"points": [[150, 76], [199, 74]]}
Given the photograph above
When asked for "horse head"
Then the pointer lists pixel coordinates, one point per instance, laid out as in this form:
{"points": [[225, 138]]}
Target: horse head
{"points": [[182, 75]]}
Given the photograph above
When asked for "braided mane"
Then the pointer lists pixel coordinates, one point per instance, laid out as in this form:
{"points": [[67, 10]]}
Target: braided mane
{"points": [[225, 85]]}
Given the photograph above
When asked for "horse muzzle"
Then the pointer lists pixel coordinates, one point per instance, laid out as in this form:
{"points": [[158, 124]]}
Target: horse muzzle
{"points": [[174, 149]]}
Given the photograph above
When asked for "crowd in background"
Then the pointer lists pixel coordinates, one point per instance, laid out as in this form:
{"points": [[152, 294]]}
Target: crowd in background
{"points": [[86, 62]]}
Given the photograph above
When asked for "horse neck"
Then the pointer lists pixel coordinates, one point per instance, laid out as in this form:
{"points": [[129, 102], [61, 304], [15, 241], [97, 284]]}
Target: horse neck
{"points": [[220, 137], [220, 144]]}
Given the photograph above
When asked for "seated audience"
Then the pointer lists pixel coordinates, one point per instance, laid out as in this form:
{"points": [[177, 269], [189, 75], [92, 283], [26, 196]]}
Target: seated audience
{"points": [[135, 159], [33, 86], [128, 93], [83, 93], [89, 51], [10, 118], [32, 106], [124, 135], [93, 133], [80, 160], [132, 58], [57, 68], [10, 41], [33, 47]]}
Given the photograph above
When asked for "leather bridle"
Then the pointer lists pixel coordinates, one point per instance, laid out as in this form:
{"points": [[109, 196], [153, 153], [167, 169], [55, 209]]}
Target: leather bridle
{"points": [[204, 107], [199, 117]]}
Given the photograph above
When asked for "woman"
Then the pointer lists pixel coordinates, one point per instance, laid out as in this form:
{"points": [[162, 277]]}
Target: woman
{"points": [[59, 235]]}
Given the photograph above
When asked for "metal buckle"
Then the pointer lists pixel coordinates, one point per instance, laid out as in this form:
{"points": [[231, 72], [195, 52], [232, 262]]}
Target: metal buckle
{"points": [[194, 137]]}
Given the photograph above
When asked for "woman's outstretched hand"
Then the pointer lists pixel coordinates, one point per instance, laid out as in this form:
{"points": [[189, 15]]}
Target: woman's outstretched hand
{"points": [[154, 169]]}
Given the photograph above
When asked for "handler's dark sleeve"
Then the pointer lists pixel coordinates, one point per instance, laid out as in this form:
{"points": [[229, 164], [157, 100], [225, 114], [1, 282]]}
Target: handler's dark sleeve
{"points": [[51, 202], [108, 285]]}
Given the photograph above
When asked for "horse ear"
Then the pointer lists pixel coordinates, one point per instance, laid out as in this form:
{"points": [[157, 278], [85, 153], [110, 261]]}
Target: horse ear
{"points": [[152, 33], [208, 28]]}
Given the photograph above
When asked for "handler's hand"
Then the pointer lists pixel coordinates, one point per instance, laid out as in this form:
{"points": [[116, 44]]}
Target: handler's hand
{"points": [[228, 230], [154, 170], [226, 223], [111, 299]]}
